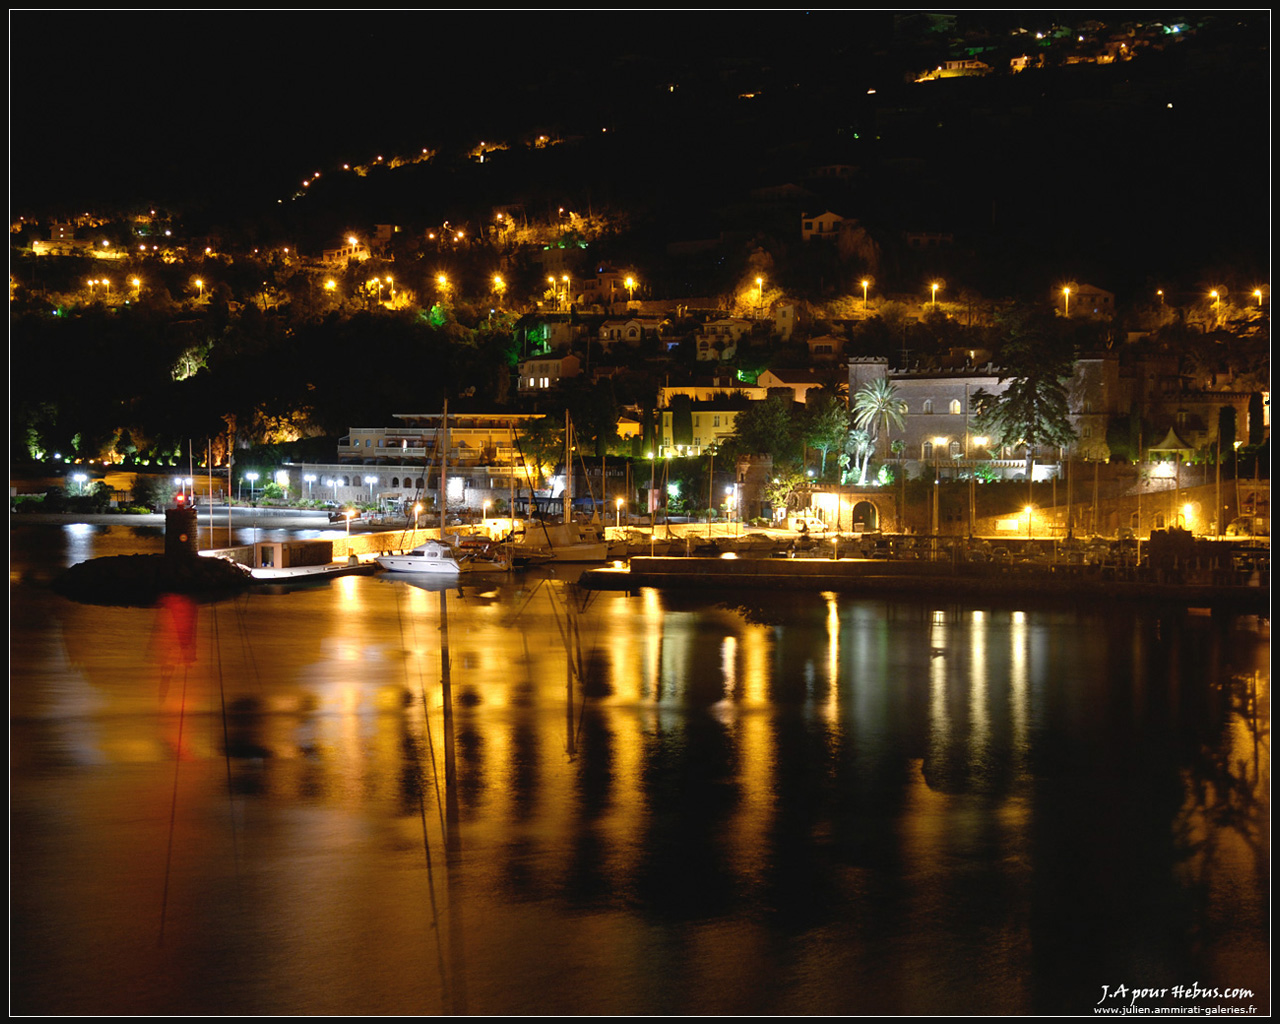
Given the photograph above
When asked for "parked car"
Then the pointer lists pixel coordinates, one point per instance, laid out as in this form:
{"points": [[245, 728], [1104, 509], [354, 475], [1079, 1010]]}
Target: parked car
{"points": [[806, 524]]}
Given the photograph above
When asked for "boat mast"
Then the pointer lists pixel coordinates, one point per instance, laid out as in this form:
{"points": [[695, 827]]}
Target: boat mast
{"points": [[444, 469], [568, 469]]}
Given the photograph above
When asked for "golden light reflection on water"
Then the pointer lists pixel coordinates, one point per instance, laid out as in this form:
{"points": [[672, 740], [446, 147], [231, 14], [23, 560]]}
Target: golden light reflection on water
{"points": [[648, 790], [979, 711]]}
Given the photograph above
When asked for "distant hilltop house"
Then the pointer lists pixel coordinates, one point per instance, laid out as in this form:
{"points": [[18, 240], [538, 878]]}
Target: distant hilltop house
{"points": [[825, 225], [62, 241], [826, 348], [962, 68], [718, 339], [928, 239], [544, 372], [799, 382], [609, 286], [631, 332], [352, 250], [1086, 300], [844, 172]]}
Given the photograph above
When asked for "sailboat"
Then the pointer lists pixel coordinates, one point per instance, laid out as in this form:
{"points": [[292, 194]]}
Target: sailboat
{"points": [[438, 557], [566, 541]]}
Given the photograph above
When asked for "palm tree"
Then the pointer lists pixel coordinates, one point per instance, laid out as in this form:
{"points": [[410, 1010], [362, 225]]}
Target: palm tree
{"points": [[876, 406]]}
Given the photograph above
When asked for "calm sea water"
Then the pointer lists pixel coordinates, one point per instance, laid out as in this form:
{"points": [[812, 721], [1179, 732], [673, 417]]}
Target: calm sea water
{"points": [[650, 803]]}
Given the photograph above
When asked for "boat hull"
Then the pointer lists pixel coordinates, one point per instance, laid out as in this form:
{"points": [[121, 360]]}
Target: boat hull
{"points": [[418, 564]]}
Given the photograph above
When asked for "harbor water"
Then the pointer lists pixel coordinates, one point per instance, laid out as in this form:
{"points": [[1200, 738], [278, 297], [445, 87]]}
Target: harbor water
{"points": [[514, 796]]}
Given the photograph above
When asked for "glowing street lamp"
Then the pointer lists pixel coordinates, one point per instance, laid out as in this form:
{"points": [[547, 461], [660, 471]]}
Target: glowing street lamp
{"points": [[309, 478], [200, 287], [934, 289], [1160, 295], [499, 286], [617, 522], [1066, 300], [1028, 510], [1257, 294], [630, 282], [252, 477], [865, 285], [1217, 300]]}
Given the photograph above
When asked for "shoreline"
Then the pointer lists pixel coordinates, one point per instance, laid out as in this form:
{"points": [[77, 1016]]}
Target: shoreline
{"points": [[880, 576]]}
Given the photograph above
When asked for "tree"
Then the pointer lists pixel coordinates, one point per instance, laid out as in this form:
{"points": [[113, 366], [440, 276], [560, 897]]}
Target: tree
{"points": [[1032, 410], [541, 445], [681, 420], [876, 407], [784, 486], [858, 448], [766, 428], [826, 426]]}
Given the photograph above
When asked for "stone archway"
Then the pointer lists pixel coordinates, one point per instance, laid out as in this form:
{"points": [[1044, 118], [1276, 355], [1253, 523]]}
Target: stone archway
{"points": [[866, 517]]}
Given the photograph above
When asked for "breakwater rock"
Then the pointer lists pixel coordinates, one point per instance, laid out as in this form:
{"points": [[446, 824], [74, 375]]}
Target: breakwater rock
{"points": [[142, 579]]}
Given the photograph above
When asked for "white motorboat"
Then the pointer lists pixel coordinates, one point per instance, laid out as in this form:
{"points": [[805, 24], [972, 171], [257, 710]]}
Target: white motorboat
{"points": [[431, 557]]}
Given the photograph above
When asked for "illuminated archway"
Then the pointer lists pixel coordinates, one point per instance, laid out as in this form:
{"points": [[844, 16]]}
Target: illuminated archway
{"points": [[867, 516]]}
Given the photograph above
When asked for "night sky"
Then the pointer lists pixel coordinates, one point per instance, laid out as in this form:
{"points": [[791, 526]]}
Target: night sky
{"points": [[113, 105], [1170, 153]]}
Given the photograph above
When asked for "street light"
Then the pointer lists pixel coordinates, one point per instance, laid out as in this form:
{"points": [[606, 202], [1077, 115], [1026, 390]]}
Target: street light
{"points": [[1257, 294], [252, 477], [865, 285], [618, 514], [1066, 299], [934, 289], [630, 282], [759, 294], [310, 478], [370, 480]]}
